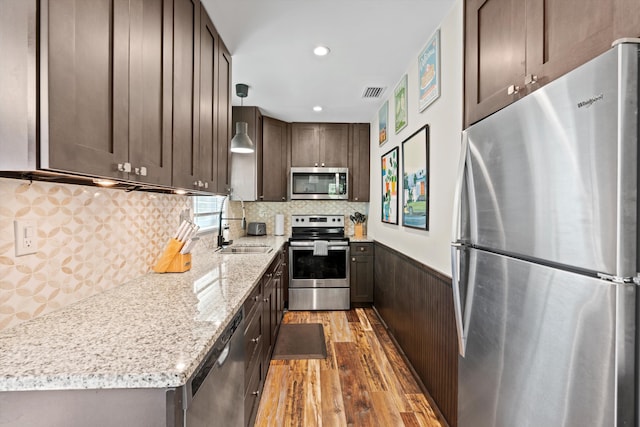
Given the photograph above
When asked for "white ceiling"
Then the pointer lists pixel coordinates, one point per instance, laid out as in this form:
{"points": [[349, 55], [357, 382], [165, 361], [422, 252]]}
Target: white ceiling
{"points": [[372, 43]]}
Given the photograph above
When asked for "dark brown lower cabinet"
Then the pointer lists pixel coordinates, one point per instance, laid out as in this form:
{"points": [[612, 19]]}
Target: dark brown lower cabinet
{"points": [[416, 304], [263, 311], [361, 272]]}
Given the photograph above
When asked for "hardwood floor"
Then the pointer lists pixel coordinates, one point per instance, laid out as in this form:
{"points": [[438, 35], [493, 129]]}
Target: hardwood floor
{"points": [[363, 381]]}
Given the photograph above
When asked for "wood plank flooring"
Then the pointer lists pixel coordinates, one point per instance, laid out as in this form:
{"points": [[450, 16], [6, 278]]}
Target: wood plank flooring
{"points": [[364, 380]]}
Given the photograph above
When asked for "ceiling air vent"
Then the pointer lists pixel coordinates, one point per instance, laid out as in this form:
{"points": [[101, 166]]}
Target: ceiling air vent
{"points": [[373, 92]]}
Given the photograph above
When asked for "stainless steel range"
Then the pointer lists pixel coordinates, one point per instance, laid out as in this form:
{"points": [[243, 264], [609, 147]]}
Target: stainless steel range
{"points": [[318, 263]]}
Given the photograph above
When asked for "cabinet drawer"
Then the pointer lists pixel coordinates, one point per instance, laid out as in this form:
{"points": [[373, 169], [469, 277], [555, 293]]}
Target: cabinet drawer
{"points": [[253, 390], [254, 298], [361, 249], [253, 341]]}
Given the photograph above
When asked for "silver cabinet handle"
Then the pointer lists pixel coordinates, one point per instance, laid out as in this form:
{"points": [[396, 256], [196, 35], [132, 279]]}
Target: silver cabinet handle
{"points": [[513, 89], [261, 197], [530, 79], [353, 259], [284, 198], [323, 165], [256, 393], [355, 198], [141, 171], [256, 339], [124, 167]]}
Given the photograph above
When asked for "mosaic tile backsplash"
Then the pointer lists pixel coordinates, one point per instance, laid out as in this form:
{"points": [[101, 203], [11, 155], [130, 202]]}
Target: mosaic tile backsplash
{"points": [[89, 239], [266, 212]]}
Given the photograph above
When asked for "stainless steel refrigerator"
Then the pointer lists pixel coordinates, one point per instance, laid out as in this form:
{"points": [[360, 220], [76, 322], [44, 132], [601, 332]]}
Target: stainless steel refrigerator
{"points": [[545, 256]]}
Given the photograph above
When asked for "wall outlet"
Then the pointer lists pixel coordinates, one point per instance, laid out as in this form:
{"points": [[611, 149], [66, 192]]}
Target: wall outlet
{"points": [[25, 235]]}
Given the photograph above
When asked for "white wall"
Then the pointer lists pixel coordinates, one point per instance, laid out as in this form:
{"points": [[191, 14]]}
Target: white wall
{"points": [[444, 117]]}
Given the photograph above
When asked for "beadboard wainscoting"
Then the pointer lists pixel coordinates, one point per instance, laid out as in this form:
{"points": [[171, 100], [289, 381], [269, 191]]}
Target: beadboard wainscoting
{"points": [[416, 304]]}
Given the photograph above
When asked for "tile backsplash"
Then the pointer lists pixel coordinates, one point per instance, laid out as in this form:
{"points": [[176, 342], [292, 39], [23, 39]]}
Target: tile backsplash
{"points": [[266, 212], [89, 239]]}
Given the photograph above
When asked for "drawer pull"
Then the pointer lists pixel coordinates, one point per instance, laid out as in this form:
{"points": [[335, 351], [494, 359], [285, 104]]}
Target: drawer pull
{"points": [[256, 339], [256, 393], [513, 89], [256, 298], [362, 249]]}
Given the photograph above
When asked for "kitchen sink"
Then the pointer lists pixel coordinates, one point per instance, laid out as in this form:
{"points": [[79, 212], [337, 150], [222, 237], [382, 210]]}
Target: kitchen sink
{"points": [[246, 249]]}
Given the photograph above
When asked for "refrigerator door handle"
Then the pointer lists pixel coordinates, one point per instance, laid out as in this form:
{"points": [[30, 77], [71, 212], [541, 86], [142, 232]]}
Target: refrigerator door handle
{"points": [[457, 302], [457, 196]]}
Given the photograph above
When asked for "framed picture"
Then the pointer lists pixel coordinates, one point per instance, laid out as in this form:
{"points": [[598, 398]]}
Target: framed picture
{"points": [[383, 119], [415, 180], [390, 187], [429, 72], [400, 101]]}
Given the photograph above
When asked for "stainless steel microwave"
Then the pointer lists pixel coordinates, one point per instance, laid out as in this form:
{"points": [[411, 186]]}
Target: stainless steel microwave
{"points": [[319, 183]]}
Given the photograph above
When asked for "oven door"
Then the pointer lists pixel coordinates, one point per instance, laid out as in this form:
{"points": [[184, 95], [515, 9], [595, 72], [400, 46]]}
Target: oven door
{"points": [[307, 270]]}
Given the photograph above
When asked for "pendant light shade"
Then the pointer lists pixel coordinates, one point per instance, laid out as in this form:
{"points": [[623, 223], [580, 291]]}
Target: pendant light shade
{"points": [[241, 143]]}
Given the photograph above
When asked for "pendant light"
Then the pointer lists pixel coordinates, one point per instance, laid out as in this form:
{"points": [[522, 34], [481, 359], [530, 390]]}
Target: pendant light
{"points": [[241, 143]]}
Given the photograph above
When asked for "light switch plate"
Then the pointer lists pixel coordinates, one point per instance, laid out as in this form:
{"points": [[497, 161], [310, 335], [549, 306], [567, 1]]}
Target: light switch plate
{"points": [[25, 232]]}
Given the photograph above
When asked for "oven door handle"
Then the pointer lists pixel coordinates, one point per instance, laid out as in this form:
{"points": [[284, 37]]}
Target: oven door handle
{"points": [[307, 244]]}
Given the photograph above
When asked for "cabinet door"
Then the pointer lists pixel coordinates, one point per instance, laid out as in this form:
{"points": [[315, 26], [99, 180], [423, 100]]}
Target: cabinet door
{"points": [[268, 317], [186, 79], [206, 168], [495, 46], [305, 144], [88, 72], [561, 35], [626, 19], [334, 145], [361, 279], [273, 179], [223, 121], [359, 162], [150, 90]]}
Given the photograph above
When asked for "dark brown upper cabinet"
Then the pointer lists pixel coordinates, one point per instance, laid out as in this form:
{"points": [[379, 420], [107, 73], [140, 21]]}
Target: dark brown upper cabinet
{"points": [[272, 178], [359, 141], [202, 103], [514, 47], [186, 93], [107, 67], [223, 121], [320, 144]]}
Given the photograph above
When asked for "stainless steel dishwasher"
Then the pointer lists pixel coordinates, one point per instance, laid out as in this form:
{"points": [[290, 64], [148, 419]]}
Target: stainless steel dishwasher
{"points": [[215, 393]]}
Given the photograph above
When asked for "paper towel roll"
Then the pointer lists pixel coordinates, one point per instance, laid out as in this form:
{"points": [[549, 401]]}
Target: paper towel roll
{"points": [[279, 225]]}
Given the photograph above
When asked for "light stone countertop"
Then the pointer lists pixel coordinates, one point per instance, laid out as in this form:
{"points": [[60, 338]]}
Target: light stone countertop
{"points": [[363, 239], [152, 332]]}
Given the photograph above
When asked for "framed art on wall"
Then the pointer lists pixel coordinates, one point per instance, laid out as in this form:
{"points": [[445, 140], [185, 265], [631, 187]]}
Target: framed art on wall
{"points": [[400, 104], [383, 120], [415, 180], [390, 186], [429, 72]]}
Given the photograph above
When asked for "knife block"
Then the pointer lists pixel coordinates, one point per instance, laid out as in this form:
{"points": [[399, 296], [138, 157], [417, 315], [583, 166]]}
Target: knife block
{"points": [[359, 230], [171, 260]]}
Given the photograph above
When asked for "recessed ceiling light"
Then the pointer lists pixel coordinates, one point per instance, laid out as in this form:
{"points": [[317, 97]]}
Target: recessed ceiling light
{"points": [[321, 50], [317, 108]]}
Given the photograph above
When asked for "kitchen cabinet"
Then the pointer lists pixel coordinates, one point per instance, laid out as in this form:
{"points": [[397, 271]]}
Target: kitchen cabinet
{"points": [[122, 90], [272, 175], [320, 144], [513, 48], [359, 143], [103, 97], [263, 311], [201, 102], [223, 159], [361, 272]]}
